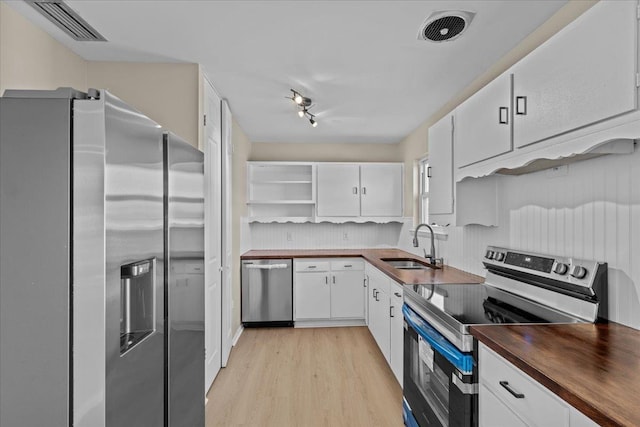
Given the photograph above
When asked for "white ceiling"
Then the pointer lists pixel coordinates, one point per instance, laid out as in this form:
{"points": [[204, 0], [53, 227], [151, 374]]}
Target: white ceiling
{"points": [[369, 76]]}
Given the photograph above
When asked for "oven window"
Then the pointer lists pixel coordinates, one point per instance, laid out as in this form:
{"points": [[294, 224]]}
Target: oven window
{"points": [[432, 381]]}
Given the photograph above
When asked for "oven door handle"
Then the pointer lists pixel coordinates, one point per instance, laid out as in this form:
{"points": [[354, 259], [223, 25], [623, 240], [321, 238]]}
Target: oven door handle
{"points": [[460, 360]]}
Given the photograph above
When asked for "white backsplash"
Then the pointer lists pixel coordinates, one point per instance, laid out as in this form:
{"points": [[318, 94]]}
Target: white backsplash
{"points": [[323, 235], [591, 210]]}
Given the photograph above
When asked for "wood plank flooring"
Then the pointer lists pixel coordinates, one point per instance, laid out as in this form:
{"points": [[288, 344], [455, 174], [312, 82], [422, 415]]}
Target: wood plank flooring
{"points": [[305, 377]]}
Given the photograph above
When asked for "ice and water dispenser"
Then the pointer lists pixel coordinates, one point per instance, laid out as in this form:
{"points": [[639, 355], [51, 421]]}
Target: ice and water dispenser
{"points": [[137, 303]]}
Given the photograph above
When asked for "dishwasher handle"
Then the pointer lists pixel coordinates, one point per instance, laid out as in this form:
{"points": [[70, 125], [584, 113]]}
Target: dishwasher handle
{"points": [[266, 266]]}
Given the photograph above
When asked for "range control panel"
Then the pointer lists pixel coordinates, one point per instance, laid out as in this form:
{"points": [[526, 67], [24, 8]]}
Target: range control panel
{"points": [[571, 270]]}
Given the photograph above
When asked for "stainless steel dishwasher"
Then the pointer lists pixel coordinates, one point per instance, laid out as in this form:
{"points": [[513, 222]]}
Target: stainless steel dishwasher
{"points": [[267, 292]]}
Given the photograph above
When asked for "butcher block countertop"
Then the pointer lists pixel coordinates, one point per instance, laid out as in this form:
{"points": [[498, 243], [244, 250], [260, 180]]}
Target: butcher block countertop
{"points": [[436, 276], [594, 367]]}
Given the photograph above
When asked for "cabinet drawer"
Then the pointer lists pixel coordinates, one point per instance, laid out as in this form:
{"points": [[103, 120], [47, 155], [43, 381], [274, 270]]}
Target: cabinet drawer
{"points": [[311, 265], [537, 406], [347, 264]]}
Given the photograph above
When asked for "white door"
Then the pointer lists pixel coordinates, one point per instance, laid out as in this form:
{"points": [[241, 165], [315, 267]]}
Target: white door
{"points": [[227, 259], [440, 171], [347, 296], [483, 123], [396, 332], [381, 189], [213, 276], [338, 190], [312, 295], [583, 74]]}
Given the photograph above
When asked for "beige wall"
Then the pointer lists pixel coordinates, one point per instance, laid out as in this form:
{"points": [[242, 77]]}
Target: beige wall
{"points": [[241, 153], [415, 144], [31, 59], [167, 93], [268, 151]]}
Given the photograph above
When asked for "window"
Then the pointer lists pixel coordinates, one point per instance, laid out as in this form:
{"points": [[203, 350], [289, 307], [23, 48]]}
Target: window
{"points": [[424, 190]]}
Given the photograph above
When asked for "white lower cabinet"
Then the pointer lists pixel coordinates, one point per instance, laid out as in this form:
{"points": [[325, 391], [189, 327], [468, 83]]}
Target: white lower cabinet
{"points": [[509, 397], [385, 318], [328, 290], [396, 331]]}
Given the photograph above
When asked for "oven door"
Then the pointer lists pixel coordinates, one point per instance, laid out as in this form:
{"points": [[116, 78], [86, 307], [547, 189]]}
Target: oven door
{"points": [[439, 386]]}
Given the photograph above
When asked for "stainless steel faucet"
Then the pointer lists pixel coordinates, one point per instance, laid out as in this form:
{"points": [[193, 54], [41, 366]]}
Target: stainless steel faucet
{"points": [[432, 256]]}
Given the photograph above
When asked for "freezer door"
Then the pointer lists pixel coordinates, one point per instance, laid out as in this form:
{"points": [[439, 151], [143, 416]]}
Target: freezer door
{"points": [[118, 286], [184, 184]]}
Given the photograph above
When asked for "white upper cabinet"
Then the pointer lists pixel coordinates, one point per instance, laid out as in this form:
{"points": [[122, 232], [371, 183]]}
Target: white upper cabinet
{"points": [[440, 172], [381, 189], [359, 190], [583, 74], [338, 190], [483, 123]]}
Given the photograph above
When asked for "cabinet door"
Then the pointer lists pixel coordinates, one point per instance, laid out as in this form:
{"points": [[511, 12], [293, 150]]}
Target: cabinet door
{"points": [[312, 296], [493, 413], [347, 294], [440, 171], [584, 74], [338, 190], [483, 123], [381, 189], [383, 324], [397, 333]]}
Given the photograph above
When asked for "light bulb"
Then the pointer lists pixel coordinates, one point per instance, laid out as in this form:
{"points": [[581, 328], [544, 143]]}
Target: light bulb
{"points": [[298, 99], [313, 122], [301, 113]]}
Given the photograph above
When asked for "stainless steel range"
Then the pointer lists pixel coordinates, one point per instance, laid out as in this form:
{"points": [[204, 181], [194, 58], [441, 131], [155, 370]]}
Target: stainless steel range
{"points": [[520, 287]]}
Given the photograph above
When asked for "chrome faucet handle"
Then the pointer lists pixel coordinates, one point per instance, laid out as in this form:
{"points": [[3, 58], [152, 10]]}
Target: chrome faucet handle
{"points": [[438, 262]]}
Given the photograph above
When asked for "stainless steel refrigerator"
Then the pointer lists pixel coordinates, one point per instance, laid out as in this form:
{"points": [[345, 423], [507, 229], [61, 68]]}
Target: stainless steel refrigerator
{"points": [[86, 331]]}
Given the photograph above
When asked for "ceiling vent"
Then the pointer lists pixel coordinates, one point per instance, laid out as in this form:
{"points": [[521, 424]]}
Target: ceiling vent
{"points": [[445, 25], [67, 20]]}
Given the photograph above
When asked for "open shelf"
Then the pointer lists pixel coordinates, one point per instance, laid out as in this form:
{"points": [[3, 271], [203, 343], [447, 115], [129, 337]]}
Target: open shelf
{"points": [[281, 191]]}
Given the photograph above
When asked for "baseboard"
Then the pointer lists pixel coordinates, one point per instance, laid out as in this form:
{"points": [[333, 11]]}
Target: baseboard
{"points": [[328, 323], [236, 336]]}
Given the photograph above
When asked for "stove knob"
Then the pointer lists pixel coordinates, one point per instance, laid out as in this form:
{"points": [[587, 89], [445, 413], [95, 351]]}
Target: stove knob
{"points": [[489, 255], [578, 272], [499, 256], [561, 268]]}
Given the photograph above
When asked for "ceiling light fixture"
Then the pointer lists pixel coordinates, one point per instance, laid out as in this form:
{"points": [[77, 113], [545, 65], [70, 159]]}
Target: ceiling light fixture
{"points": [[303, 103]]}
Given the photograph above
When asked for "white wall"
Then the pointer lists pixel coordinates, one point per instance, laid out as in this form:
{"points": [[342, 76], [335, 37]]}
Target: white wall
{"points": [[322, 236], [592, 212]]}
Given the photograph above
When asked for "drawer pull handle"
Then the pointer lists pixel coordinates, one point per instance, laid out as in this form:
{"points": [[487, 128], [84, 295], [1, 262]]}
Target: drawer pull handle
{"points": [[503, 115], [348, 266], [397, 294], [311, 266], [515, 394], [521, 105]]}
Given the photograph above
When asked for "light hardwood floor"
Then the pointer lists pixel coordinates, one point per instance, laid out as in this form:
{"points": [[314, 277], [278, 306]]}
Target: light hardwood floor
{"points": [[305, 377]]}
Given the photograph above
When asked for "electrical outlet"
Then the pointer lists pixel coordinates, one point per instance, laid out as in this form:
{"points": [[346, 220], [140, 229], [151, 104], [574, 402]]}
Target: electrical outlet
{"points": [[345, 236], [557, 171], [289, 236]]}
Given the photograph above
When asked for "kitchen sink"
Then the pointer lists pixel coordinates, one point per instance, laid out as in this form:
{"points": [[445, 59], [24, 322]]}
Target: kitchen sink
{"points": [[408, 264]]}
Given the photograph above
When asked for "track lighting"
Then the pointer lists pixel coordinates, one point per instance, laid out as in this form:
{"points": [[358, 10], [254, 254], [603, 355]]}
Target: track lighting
{"points": [[303, 104]]}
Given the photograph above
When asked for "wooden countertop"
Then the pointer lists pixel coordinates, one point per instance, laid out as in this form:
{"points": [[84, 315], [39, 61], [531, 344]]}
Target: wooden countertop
{"points": [[594, 367], [435, 276]]}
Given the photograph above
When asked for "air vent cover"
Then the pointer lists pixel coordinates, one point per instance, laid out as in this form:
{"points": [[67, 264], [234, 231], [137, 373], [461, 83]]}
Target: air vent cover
{"points": [[445, 25], [67, 20]]}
